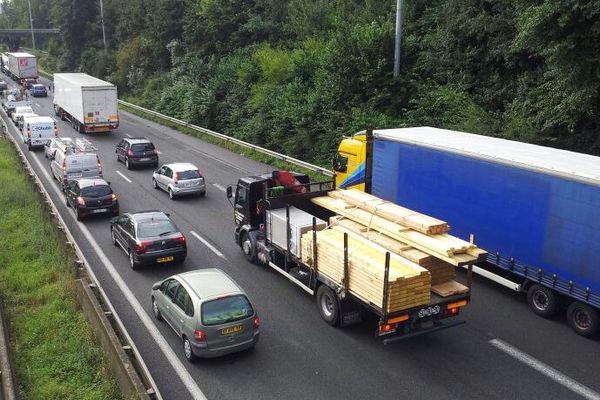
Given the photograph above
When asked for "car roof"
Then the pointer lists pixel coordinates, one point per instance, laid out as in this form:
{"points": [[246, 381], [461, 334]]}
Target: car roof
{"points": [[91, 182], [39, 118], [182, 166], [137, 140], [39, 84], [210, 282], [141, 216]]}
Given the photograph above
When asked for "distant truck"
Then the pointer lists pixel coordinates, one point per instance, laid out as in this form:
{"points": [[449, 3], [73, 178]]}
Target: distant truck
{"points": [[22, 66], [88, 103], [536, 210]]}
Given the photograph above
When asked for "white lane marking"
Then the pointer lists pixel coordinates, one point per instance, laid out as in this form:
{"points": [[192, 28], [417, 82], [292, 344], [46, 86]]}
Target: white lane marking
{"points": [[128, 135], [167, 351], [37, 104], [545, 369], [124, 177], [207, 244], [221, 188]]}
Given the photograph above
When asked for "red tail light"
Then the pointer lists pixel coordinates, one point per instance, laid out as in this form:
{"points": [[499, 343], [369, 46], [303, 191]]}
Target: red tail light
{"points": [[99, 165], [155, 151], [200, 335], [256, 322], [176, 177], [130, 153], [28, 133], [180, 239], [114, 197], [64, 166], [387, 328], [81, 201], [140, 246]]}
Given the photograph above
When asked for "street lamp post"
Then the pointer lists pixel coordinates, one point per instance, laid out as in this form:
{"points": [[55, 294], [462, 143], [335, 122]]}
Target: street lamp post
{"points": [[102, 20], [31, 25], [398, 38]]}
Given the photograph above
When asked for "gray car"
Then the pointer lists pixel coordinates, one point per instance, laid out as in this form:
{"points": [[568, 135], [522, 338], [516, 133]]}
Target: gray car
{"points": [[209, 312], [179, 179]]}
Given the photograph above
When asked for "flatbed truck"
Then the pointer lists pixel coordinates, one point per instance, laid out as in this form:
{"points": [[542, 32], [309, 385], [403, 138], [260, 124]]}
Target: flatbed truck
{"points": [[254, 197]]}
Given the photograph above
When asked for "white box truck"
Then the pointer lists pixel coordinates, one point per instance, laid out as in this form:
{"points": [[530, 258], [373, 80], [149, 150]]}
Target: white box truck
{"points": [[89, 103], [22, 66]]}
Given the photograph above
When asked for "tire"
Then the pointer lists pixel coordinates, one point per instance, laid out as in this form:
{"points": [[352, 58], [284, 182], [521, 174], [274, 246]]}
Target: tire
{"points": [[542, 300], [132, 264], [127, 164], [67, 202], [155, 310], [171, 194], [78, 215], [248, 248], [154, 184], [187, 350], [203, 194], [328, 305], [584, 320], [113, 238], [29, 146]]}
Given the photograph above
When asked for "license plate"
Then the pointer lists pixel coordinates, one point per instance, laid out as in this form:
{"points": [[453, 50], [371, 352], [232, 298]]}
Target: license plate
{"points": [[75, 175], [429, 311], [99, 210], [165, 259], [231, 329], [145, 159]]}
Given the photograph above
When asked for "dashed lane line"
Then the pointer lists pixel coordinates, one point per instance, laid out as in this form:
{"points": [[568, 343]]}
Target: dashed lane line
{"points": [[221, 188], [123, 176], [207, 244]]}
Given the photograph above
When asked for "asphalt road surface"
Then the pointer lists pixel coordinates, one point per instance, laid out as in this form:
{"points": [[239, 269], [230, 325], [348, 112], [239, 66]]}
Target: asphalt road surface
{"points": [[503, 352]]}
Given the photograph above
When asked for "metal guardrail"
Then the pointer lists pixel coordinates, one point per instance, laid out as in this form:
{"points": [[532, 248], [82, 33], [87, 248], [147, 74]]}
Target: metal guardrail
{"points": [[135, 378], [271, 153]]}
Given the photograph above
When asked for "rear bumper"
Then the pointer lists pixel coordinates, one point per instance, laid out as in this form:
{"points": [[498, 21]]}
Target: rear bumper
{"points": [[112, 209], [138, 161], [189, 190], [439, 326], [179, 254], [200, 350]]}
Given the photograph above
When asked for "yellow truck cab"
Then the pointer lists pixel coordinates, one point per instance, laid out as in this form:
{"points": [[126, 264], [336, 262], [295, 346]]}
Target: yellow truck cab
{"points": [[350, 161]]}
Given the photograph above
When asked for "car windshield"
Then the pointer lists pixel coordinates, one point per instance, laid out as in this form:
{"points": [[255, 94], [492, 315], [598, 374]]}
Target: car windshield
{"points": [[226, 309], [155, 227], [142, 147], [190, 174], [96, 191]]}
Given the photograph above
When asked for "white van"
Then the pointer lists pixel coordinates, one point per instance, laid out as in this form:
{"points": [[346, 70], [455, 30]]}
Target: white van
{"points": [[74, 160], [36, 131]]}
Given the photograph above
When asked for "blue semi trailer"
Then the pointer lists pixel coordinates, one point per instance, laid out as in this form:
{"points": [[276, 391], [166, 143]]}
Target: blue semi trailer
{"points": [[535, 209]]}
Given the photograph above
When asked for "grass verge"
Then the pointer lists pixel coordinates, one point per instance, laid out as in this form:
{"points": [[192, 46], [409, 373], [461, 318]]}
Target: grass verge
{"points": [[252, 154], [55, 354]]}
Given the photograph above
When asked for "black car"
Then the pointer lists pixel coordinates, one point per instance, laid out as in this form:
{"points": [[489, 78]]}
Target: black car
{"points": [[91, 197], [137, 151], [148, 237]]}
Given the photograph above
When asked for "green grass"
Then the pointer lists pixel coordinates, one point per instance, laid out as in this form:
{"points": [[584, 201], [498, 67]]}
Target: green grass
{"points": [[52, 344], [252, 154]]}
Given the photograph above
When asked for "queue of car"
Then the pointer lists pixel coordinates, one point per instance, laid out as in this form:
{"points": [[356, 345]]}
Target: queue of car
{"points": [[211, 314]]}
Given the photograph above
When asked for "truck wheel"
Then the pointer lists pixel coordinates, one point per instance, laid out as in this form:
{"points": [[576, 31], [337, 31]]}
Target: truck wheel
{"points": [[584, 320], [328, 305], [542, 300], [248, 248]]}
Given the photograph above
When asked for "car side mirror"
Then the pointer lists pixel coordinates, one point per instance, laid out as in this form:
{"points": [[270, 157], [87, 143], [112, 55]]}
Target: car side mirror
{"points": [[117, 150], [156, 285], [229, 192], [168, 214]]}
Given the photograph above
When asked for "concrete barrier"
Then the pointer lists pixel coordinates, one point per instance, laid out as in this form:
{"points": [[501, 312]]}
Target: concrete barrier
{"points": [[7, 381]]}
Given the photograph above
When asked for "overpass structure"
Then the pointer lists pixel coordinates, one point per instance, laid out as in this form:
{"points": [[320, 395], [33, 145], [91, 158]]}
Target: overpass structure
{"points": [[12, 37]]}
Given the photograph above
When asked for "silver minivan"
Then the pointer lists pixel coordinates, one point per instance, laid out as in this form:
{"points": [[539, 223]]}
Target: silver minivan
{"points": [[74, 160], [209, 312]]}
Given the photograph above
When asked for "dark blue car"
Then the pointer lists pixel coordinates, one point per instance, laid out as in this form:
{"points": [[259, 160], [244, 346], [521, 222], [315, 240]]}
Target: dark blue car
{"points": [[38, 90]]}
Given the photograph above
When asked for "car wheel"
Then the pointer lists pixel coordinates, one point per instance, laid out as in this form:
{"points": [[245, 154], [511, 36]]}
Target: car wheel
{"points": [[542, 300], [127, 164], [584, 320], [187, 350], [154, 183], [78, 214], [171, 194], [67, 202], [29, 146], [113, 238], [328, 305], [248, 248], [155, 310], [203, 194], [132, 262]]}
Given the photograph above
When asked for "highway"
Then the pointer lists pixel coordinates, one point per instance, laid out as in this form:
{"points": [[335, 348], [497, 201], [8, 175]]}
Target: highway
{"points": [[504, 351]]}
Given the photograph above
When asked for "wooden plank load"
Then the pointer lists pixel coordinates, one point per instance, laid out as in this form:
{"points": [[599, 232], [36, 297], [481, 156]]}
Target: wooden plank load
{"points": [[443, 246], [441, 271], [409, 284], [392, 212]]}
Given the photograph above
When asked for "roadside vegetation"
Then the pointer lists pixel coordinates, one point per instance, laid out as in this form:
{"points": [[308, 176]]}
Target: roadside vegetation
{"points": [[296, 75], [52, 344]]}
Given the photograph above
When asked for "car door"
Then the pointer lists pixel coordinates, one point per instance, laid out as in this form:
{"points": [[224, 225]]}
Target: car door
{"points": [[167, 177], [72, 192], [161, 178], [121, 231], [182, 311], [166, 303]]}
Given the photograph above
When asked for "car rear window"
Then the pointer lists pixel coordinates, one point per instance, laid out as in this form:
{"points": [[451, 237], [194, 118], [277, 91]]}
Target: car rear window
{"points": [[86, 161], [96, 191], [226, 309], [155, 228], [138, 147], [191, 174]]}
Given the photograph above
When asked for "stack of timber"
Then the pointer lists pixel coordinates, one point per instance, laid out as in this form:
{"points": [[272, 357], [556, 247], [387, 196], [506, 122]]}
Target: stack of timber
{"points": [[441, 271], [443, 246], [408, 284]]}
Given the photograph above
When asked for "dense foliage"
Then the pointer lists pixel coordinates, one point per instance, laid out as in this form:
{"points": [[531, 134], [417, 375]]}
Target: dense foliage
{"points": [[295, 75]]}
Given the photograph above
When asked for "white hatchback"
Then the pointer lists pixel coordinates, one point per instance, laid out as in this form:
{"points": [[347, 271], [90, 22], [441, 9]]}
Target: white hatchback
{"points": [[179, 179]]}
